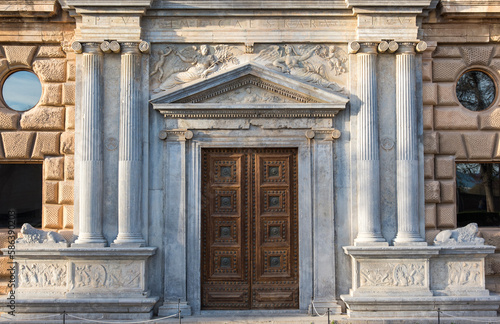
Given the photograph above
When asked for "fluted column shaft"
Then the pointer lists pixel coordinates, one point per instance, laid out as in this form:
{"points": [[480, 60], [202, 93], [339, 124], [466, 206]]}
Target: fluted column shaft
{"points": [[91, 165], [130, 149], [407, 147], [367, 149]]}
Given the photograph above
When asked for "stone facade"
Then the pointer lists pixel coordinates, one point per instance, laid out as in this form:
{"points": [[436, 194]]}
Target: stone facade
{"points": [[134, 91]]}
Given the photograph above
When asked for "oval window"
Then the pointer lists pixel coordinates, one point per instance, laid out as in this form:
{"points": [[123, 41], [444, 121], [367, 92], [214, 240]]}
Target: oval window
{"points": [[21, 90], [476, 90]]}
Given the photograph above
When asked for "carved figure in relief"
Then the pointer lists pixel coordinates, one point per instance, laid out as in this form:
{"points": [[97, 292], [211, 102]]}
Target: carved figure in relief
{"points": [[297, 64], [464, 273], [202, 64], [336, 58], [158, 67], [42, 275], [464, 235], [32, 235]]}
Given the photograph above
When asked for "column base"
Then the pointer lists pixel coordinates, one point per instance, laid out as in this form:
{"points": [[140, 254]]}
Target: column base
{"points": [[407, 239], [171, 308], [128, 240], [90, 240], [88, 245]]}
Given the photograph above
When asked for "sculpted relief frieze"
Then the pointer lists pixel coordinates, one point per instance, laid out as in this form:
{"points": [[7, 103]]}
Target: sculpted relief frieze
{"points": [[392, 274], [464, 273], [104, 275], [324, 66], [42, 275]]}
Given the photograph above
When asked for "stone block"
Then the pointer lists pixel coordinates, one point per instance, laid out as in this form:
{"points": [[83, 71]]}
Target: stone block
{"points": [[4, 66], [480, 145], [17, 145], [71, 71], [447, 70], [429, 166], [432, 194], [445, 167], [50, 192], [50, 51], [430, 234], [52, 216], [491, 237], [492, 264], [66, 192], [52, 94], [68, 219], [446, 94], [46, 143], [496, 154], [446, 216], [68, 142], [8, 119], [430, 216], [429, 92], [70, 117], [53, 70], [43, 118], [455, 118], [4, 240], [447, 191], [452, 143], [490, 119], [53, 168], [69, 93], [477, 54], [19, 56], [447, 52], [431, 142], [426, 70], [69, 167], [428, 117], [5, 263]]}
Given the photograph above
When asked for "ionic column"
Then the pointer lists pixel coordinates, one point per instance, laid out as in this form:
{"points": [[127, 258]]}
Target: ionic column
{"points": [[407, 147], [368, 198], [130, 150], [91, 164]]}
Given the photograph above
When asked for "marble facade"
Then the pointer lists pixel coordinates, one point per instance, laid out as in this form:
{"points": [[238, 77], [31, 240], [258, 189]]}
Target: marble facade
{"points": [[346, 83]]}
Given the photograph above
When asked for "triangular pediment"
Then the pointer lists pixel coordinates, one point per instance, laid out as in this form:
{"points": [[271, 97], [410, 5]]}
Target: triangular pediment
{"points": [[248, 90]]}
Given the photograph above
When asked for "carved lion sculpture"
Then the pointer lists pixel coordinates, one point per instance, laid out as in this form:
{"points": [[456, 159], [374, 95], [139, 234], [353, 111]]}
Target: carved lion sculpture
{"points": [[466, 235], [33, 235]]}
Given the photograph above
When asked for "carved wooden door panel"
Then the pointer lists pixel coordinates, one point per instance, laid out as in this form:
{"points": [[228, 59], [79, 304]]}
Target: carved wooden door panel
{"points": [[249, 229]]}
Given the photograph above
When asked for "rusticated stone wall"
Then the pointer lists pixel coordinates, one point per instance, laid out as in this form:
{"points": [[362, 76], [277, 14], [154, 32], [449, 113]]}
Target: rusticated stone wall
{"points": [[453, 134]]}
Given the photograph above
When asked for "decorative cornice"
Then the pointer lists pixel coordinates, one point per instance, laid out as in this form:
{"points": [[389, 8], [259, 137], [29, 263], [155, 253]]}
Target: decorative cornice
{"points": [[32, 8]]}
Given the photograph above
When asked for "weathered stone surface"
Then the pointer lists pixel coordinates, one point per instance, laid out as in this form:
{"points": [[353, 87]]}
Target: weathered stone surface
{"points": [[71, 71], [50, 51], [4, 240], [446, 94], [52, 216], [4, 66], [69, 167], [430, 234], [68, 219], [429, 92], [447, 70], [490, 119], [477, 54], [8, 119], [46, 143], [427, 70], [53, 70], [5, 263], [428, 117], [50, 192], [491, 236], [447, 191], [445, 167], [53, 168], [431, 142], [430, 216], [432, 192], [480, 145], [446, 216], [19, 56], [429, 166], [43, 118], [455, 118], [66, 192], [492, 264], [52, 94], [17, 145], [67, 234], [447, 52], [68, 142], [70, 117], [69, 93], [452, 143]]}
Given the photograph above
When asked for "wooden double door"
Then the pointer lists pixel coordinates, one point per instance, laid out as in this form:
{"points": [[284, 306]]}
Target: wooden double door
{"points": [[249, 247]]}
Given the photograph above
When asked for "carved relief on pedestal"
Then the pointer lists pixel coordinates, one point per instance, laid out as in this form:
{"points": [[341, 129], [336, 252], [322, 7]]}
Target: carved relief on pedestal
{"points": [[464, 273], [324, 66], [42, 275], [392, 274], [108, 275]]}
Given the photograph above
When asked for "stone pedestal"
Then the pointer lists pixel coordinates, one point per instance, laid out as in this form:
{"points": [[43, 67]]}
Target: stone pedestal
{"points": [[416, 281]]}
